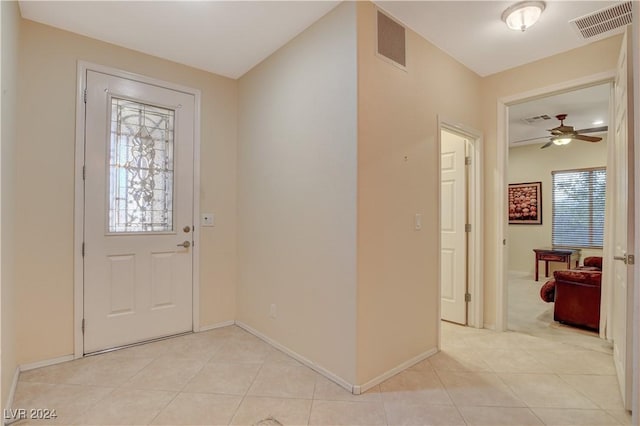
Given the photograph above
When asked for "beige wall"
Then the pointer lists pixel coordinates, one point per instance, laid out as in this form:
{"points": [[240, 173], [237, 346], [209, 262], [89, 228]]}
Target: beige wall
{"points": [[10, 38], [592, 59], [44, 197], [297, 194], [531, 164], [398, 176]]}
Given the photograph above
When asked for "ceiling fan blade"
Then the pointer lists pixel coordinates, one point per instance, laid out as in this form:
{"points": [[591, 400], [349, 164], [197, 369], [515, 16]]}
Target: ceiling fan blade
{"points": [[546, 145], [593, 129], [587, 138]]}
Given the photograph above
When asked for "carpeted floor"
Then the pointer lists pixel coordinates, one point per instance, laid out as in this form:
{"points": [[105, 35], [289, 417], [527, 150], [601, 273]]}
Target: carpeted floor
{"points": [[528, 314]]}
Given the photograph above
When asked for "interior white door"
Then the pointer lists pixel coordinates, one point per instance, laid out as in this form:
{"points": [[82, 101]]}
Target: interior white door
{"points": [[139, 141], [453, 217], [623, 226]]}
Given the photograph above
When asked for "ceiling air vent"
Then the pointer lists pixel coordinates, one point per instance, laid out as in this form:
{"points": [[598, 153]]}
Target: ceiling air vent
{"points": [[536, 119], [391, 40], [603, 23]]}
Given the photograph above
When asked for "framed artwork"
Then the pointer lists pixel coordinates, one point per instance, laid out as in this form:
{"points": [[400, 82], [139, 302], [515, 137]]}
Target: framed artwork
{"points": [[525, 203]]}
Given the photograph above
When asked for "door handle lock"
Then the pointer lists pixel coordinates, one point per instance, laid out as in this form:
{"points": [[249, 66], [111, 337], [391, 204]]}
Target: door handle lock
{"points": [[628, 259], [185, 244]]}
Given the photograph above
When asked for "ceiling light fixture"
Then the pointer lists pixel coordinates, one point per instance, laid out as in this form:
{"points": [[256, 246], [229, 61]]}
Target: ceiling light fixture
{"points": [[598, 122], [561, 141], [521, 16]]}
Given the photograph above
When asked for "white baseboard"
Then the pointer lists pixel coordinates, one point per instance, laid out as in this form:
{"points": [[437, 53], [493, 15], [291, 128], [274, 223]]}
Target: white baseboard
{"points": [[46, 363], [519, 274], [489, 326], [357, 390], [326, 373], [217, 325]]}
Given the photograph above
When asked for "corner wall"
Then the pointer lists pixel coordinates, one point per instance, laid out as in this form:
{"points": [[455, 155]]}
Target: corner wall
{"points": [[44, 191], [10, 40], [595, 58], [297, 194], [531, 164], [399, 176]]}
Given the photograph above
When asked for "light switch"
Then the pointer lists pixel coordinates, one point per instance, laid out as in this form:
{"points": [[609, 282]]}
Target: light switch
{"points": [[207, 219], [418, 221]]}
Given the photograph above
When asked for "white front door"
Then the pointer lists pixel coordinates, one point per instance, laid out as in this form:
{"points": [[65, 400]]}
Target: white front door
{"points": [[623, 224], [453, 217], [139, 141]]}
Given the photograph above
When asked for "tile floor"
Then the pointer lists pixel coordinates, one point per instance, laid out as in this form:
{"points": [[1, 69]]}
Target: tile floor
{"points": [[227, 376]]}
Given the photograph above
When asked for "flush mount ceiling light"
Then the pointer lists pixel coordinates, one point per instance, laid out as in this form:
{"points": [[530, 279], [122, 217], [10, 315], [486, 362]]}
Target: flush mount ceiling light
{"points": [[521, 16]]}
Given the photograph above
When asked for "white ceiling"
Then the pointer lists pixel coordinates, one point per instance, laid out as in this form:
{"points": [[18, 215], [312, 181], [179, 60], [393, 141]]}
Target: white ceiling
{"points": [[231, 37], [223, 37], [473, 33]]}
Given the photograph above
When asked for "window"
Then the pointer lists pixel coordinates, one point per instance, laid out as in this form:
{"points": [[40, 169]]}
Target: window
{"points": [[140, 168], [578, 207]]}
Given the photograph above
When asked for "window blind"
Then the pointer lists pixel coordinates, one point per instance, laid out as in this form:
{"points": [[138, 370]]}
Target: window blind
{"points": [[578, 207]]}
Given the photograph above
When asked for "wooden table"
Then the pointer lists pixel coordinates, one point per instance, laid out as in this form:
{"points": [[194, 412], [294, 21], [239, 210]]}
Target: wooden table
{"points": [[556, 255]]}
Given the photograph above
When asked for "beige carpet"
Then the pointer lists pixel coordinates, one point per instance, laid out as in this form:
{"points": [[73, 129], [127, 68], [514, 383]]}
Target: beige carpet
{"points": [[528, 314]]}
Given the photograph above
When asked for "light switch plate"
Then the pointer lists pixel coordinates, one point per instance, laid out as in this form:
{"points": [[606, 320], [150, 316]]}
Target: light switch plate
{"points": [[418, 221], [207, 219]]}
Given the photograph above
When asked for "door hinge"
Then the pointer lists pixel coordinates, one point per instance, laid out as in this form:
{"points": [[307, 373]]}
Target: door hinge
{"points": [[84, 172], [83, 249], [85, 96], [83, 323], [467, 227], [467, 297], [467, 161]]}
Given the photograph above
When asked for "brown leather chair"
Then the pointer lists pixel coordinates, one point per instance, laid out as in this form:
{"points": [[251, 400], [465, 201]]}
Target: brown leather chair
{"points": [[577, 297]]}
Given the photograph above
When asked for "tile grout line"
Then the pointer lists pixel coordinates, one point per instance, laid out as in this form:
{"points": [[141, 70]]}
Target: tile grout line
{"points": [[180, 391], [436, 373], [313, 400], [235, 413]]}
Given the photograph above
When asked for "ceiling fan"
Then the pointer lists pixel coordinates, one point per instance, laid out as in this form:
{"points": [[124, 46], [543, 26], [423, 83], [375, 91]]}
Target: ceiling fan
{"points": [[563, 135]]}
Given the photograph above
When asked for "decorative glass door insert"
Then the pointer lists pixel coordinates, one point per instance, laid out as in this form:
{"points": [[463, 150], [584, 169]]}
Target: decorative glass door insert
{"points": [[141, 168]]}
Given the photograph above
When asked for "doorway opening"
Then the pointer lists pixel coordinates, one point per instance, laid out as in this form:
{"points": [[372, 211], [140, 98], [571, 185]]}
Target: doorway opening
{"points": [[461, 224], [623, 374], [556, 210]]}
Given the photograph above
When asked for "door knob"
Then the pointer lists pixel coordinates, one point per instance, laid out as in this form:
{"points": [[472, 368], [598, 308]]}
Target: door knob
{"points": [[185, 244]]}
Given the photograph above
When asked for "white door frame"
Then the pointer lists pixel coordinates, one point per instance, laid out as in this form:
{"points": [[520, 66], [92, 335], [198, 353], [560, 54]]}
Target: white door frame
{"points": [[635, 58], [501, 182], [475, 260], [78, 269]]}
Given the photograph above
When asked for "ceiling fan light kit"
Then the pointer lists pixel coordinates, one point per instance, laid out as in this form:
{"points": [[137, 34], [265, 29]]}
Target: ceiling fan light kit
{"points": [[561, 141], [523, 15], [563, 135]]}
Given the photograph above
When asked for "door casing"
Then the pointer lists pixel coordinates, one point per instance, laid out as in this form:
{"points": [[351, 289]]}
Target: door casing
{"points": [[501, 181], [78, 270], [475, 258]]}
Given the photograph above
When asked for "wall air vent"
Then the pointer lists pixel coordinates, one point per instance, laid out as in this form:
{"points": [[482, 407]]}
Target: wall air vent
{"points": [[603, 23], [536, 119], [391, 40]]}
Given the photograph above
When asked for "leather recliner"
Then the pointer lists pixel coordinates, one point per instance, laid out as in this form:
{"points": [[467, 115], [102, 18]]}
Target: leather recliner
{"points": [[576, 294]]}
